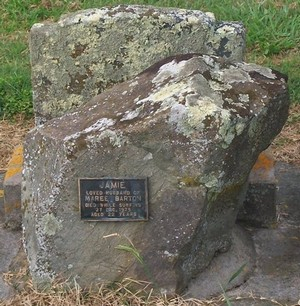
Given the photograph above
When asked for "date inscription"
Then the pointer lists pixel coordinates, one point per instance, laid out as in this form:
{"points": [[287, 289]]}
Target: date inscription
{"points": [[113, 199]]}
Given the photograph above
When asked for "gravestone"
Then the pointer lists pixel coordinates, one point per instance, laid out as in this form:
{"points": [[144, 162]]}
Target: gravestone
{"points": [[190, 127], [86, 52]]}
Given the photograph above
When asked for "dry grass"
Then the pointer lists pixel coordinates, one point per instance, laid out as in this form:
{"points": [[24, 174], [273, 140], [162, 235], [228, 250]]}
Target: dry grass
{"points": [[12, 133], [63, 293], [286, 146], [66, 294]]}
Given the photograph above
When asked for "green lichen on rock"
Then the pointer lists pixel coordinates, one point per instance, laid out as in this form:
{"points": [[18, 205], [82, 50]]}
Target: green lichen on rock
{"points": [[51, 224], [86, 52]]}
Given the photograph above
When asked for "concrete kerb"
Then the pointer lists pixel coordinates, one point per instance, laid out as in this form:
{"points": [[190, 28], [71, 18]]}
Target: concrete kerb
{"points": [[259, 208], [2, 173], [12, 190]]}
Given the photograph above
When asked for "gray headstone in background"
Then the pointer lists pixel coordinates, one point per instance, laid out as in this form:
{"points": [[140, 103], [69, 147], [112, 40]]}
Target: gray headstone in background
{"points": [[84, 53], [194, 126], [259, 208]]}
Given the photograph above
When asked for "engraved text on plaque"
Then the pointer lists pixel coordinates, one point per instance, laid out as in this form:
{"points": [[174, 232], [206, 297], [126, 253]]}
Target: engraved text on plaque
{"points": [[113, 199]]}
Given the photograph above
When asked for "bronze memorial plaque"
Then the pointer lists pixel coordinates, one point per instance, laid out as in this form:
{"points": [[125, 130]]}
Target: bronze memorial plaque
{"points": [[113, 199]]}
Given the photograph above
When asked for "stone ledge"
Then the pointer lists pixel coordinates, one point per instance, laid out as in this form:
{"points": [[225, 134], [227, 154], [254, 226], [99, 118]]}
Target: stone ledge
{"points": [[12, 190]]}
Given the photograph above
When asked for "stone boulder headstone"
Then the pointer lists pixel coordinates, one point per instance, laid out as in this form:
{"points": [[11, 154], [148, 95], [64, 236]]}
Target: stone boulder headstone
{"points": [[192, 126], [86, 52]]}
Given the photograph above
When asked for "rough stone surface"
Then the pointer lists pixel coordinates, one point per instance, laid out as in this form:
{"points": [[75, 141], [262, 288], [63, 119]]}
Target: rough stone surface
{"points": [[84, 53], [259, 207], [240, 257], [194, 125]]}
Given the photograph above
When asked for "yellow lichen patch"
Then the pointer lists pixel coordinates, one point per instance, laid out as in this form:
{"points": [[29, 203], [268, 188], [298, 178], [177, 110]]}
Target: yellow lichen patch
{"points": [[15, 164], [1, 193], [188, 181]]}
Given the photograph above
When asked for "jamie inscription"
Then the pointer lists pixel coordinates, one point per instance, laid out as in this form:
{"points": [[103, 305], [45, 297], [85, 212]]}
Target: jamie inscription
{"points": [[113, 199]]}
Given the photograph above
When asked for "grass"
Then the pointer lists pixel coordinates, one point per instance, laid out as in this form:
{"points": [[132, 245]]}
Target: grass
{"points": [[273, 37], [289, 63]]}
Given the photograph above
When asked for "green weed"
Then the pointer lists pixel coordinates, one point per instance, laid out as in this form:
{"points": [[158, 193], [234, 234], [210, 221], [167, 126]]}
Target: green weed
{"points": [[231, 279], [136, 254], [133, 251]]}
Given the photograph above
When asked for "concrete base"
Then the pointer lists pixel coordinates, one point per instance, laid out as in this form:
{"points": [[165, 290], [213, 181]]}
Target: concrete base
{"points": [[10, 244], [259, 209], [2, 173], [12, 190], [277, 273]]}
